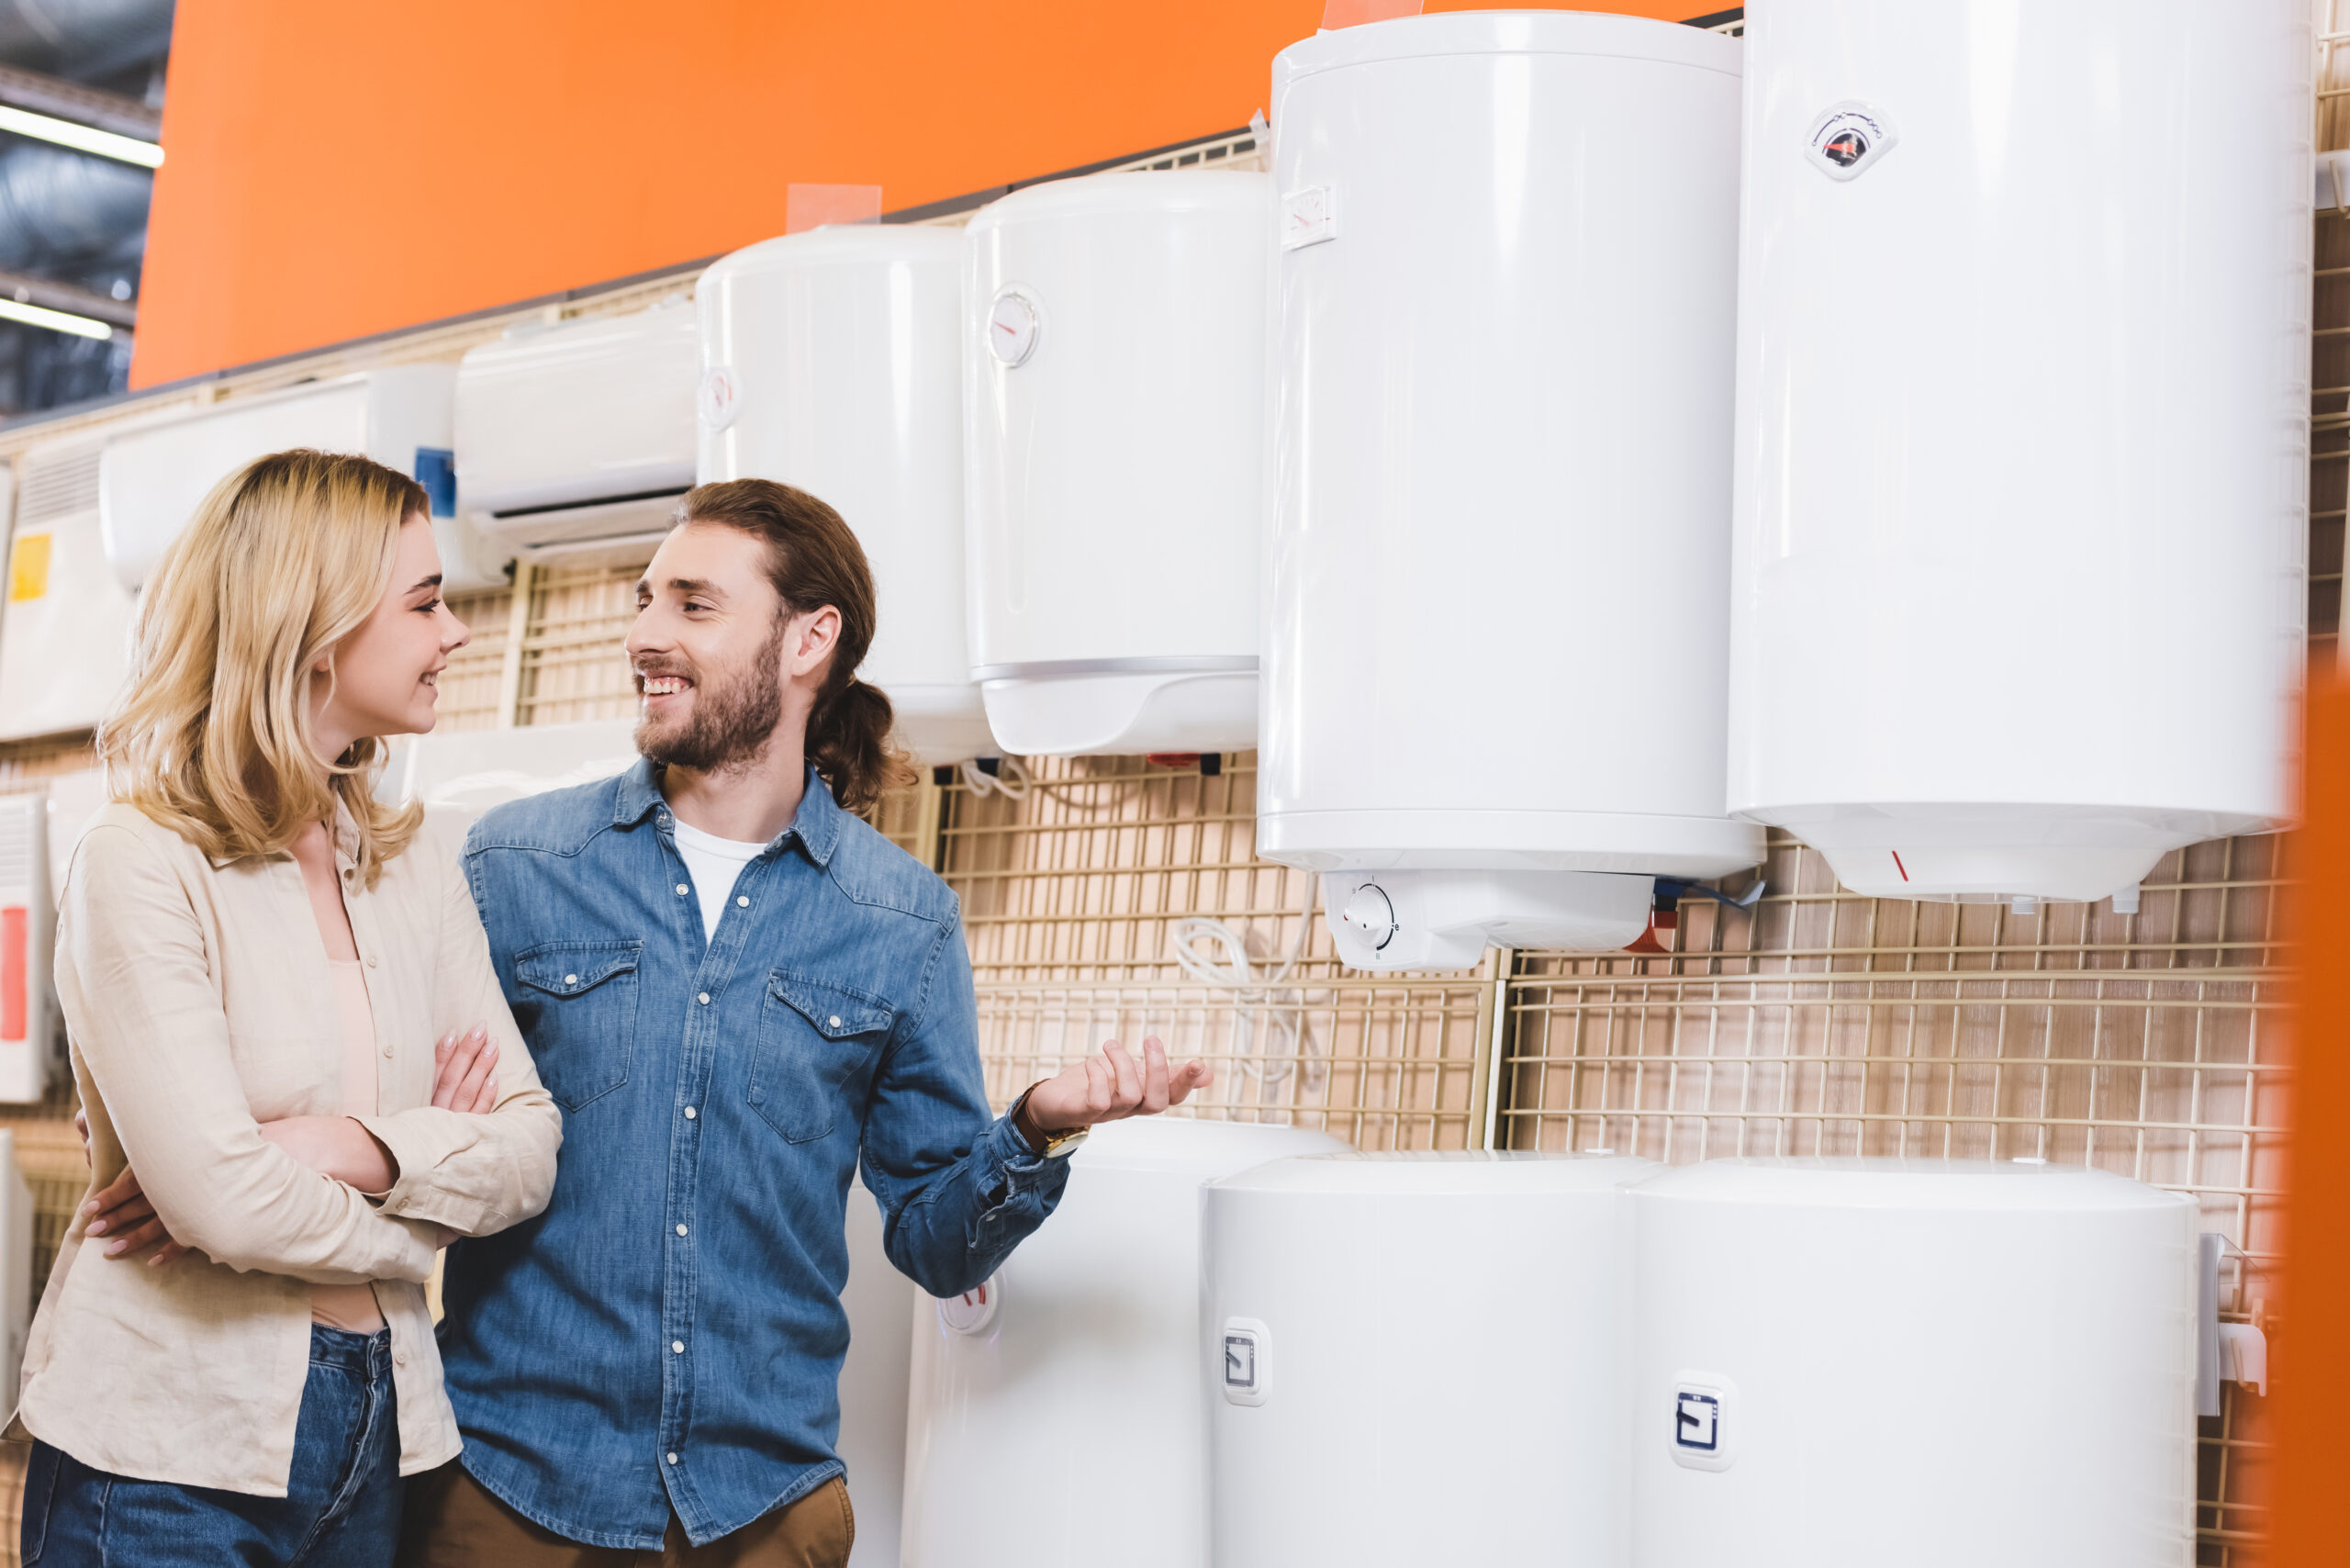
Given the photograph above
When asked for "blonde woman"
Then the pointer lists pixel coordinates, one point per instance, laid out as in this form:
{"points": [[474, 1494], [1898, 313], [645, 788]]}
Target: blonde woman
{"points": [[285, 1027]]}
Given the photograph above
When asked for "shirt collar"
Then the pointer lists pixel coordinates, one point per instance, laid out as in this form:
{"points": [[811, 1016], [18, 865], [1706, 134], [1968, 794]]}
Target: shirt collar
{"points": [[817, 824]]}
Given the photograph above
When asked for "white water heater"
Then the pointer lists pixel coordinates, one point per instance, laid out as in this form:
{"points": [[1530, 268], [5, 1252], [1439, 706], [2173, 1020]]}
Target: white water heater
{"points": [[832, 360], [151, 480], [578, 431], [1115, 345], [1417, 1358], [65, 630], [879, 1301], [1843, 1362], [2022, 435], [1502, 421], [1056, 1414]]}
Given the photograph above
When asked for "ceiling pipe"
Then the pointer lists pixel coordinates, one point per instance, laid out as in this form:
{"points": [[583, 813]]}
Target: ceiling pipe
{"points": [[59, 207], [84, 39]]}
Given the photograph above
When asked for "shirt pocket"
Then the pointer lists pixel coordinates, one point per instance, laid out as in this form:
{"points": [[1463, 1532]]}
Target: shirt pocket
{"points": [[813, 1037], [577, 1006]]}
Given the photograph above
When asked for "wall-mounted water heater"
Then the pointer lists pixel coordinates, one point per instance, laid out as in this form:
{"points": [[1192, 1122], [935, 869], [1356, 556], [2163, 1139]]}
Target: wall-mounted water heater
{"points": [[2022, 436], [1984, 1363], [1115, 340], [1044, 1398], [1414, 1358], [832, 360], [151, 480], [579, 434], [1500, 466]]}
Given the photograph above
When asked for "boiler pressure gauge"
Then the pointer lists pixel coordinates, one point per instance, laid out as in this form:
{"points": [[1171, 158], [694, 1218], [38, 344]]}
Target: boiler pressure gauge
{"points": [[1011, 328]]}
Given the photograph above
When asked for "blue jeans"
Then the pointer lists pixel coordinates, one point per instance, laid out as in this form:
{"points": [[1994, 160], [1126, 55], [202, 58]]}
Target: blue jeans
{"points": [[342, 1507]]}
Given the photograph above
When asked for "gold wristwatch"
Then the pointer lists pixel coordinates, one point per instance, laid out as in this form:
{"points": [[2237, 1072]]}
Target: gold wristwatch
{"points": [[1047, 1145]]}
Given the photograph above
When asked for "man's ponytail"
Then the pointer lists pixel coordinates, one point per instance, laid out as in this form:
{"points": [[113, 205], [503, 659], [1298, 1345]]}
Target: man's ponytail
{"points": [[814, 560], [848, 741]]}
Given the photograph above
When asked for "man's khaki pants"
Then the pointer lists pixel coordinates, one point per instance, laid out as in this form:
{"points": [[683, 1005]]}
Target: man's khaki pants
{"points": [[453, 1522]]}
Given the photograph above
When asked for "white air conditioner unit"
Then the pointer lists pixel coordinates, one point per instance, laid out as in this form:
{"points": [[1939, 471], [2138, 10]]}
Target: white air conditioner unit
{"points": [[27, 921], [151, 481], [460, 774], [583, 430], [65, 631], [16, 1261]]}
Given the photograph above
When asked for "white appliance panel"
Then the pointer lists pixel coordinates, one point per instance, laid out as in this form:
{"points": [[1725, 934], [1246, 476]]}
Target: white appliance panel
{"points": [[832, 361], [1416, 1359], [1114, 341], [556, 424], [1503, 383], [2019, 599], [1031, 1426], [65, 630], [1967, 1361]]}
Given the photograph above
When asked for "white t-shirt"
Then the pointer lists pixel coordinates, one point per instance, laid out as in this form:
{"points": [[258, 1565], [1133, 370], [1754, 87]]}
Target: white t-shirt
{"points": [[714, 862]]}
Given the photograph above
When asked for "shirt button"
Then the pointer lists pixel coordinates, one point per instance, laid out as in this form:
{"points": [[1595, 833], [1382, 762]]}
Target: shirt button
{"points": [[689, 1113], [399, 1358], [703, 999], [681, 890], [673, 1459], [371, 960], [741, 902], [834, 1021], [388, 1050], [677, 1346], [681, 1230], [571, 979]]}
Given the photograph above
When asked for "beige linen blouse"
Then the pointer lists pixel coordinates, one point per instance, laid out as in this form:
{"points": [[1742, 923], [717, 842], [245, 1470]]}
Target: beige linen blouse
{"points": [[199, 1001]]}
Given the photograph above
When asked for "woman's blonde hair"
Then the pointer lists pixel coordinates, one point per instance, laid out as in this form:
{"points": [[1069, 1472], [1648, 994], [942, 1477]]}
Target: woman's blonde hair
{"points": [[211, 737]]}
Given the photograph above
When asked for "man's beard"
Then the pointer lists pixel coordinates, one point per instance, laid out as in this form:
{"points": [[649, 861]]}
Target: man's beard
{"points": [[730, 723]]}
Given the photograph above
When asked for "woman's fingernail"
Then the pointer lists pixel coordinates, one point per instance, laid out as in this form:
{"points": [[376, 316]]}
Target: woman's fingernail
{"points": [[115, 1250], [91, 1208], [97, 1228]]}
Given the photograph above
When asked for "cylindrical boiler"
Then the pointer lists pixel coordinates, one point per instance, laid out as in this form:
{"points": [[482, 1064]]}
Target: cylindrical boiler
{"points": [[2022, 435], [832, 361], [1503, 399], [1840, 1363], [1416, 1359], [1057, 1414], [1116, 343]]}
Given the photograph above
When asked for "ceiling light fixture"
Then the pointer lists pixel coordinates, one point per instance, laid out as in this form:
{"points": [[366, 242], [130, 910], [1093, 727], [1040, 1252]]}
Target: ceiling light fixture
{"points": [[80, 137], [55, 320]]}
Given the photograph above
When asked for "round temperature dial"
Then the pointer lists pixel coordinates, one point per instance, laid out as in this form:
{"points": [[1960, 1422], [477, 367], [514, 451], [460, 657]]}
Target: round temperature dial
{"points": [[974, 1309], [1011, 328]]}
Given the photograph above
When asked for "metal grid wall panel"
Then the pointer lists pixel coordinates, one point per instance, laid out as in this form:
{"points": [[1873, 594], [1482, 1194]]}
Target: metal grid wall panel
{"points": [[474, 685], [572, 664], [1082, 885]]}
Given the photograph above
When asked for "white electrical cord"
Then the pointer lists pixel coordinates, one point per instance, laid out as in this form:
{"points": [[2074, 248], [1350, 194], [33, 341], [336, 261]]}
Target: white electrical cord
{"points": [[1216, 955], [1011, 779]]}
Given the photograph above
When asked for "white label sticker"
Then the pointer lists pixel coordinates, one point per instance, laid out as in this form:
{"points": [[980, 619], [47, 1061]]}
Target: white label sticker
{"points": [[1849, 137], [1244, 1360], [717, 397], [1704, 1420], [1309, 216]]}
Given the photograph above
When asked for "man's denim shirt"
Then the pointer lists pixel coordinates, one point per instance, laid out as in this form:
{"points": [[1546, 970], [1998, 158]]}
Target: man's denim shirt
{"points": [[668, 1334]]}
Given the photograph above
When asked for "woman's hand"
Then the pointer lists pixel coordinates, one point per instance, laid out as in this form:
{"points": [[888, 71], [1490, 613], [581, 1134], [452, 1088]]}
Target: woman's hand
{"points": [[465, 1071], [122, 1211]]}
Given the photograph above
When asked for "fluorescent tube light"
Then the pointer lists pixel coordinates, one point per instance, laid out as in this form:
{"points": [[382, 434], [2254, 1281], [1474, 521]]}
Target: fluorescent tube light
{"points": [[55, 320], [80, 137]]}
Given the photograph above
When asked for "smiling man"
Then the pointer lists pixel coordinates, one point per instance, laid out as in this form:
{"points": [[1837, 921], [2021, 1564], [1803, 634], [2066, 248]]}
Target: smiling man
{"points": [[736, 990]]}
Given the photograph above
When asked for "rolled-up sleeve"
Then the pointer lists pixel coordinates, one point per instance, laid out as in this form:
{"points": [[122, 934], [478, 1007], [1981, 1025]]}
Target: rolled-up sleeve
{"points": [[959, 1189], [474, 1173], [145, 1016]]}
